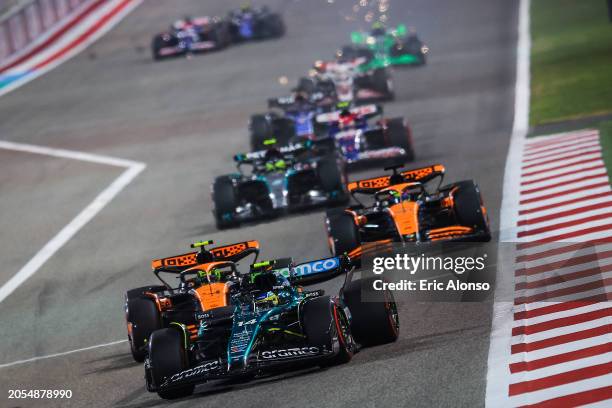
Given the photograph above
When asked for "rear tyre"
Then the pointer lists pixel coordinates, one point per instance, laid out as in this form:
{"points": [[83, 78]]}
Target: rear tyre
{"points": [[414, 46], [168, 357], [398, 134], [276, 26], [350, 52], [322, 321], [137, 292], [306, 85], [342, 233], [144, 318], [373, 322], [226, 201], [470, 210], [156, 45], [261, 130], [221, 36], [332, 179], [381, 82]]}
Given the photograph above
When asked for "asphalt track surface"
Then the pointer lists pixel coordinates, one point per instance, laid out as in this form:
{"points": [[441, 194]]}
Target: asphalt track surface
{"points": [[185, 118]]}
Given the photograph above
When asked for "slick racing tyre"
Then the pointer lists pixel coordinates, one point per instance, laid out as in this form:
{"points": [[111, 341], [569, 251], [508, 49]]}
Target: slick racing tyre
{"points": [[343, 234], [374, 320], [138, 292], [349, 52], [261, 130], [398, 134], [470, 210], [225, 201], [414, 46], [168, 357], [381, 82], [144, 318], [332, 179], [306, 85], [221, 36], [275, 26], [156, 45], [324, 320]]}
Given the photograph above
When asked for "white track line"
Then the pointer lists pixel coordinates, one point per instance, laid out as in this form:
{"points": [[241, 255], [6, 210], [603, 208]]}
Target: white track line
{"points": [[559, 349], [533, 157], [584, 184], [562, 170], [561, 390], [87, 214], [587, 308], [585, 362], [65, 353], [499, 349], [568, 178]]}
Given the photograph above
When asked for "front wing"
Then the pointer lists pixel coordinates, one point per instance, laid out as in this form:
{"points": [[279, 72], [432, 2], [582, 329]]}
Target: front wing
{"points": [[217, 369]]}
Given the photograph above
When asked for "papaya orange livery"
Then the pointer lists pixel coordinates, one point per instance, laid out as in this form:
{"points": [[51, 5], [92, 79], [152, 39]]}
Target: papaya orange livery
{"points": [[407, 209]]}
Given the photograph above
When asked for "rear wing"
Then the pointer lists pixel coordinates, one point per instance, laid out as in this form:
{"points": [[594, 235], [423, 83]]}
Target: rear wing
{"points": [[231, 253], [282, 102], [361, 111], [421, 175], [252, 157]]}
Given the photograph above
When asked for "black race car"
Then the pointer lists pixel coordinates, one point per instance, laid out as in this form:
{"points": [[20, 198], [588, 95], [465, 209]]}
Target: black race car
{"points": [[293, 177], [199, 34]]}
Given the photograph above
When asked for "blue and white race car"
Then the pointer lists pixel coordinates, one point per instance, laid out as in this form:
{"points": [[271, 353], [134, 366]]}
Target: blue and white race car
{"points": [[361, 134], [191, 35]]}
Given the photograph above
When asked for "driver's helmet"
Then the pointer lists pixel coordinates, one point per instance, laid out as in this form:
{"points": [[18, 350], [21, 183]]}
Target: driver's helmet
{"points": [[274, 160], [267, 298], [245, 7], [346, 119], [187, 21], [378, 29], [195, 282], [387, 198]]}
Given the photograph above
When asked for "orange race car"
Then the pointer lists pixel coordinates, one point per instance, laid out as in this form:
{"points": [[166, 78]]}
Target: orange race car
{"points": [[403, 208], [205, 276]]}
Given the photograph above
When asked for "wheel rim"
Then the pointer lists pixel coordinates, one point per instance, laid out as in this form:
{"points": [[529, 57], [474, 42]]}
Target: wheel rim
{"points": [[342, 328], [392, 314]]}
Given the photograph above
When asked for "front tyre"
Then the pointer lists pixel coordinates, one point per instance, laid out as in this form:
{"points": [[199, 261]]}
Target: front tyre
{"points": [[225, 200], [342, 232], [168, 356], [261, 130], [398, 135], [374, 320], [331, 178], [323, 321], [143, 319], [470, 210]]}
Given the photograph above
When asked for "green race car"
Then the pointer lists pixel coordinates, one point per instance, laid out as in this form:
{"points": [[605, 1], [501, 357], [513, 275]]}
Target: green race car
{"points": [[383, 47]]}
